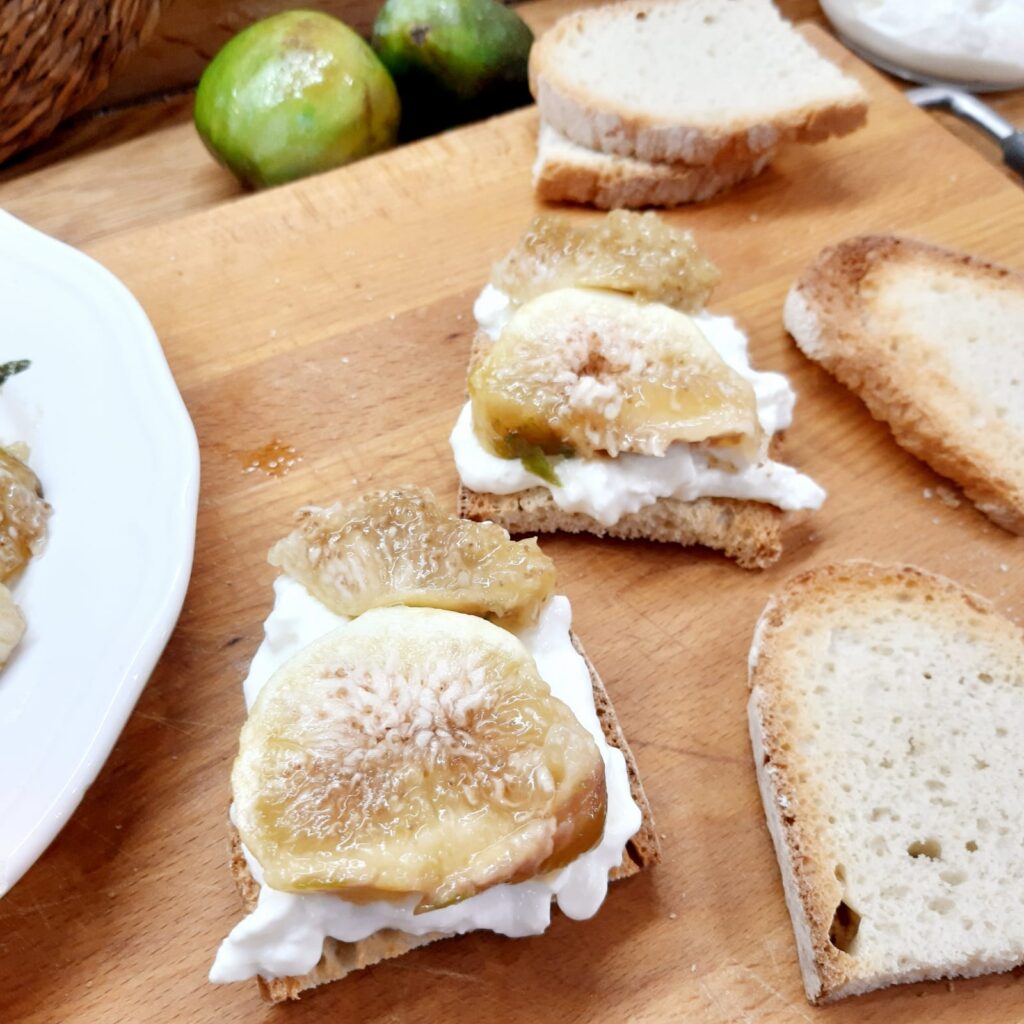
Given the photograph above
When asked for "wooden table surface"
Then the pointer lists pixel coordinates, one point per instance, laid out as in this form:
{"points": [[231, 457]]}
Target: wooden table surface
{"points": [[333, 316]]}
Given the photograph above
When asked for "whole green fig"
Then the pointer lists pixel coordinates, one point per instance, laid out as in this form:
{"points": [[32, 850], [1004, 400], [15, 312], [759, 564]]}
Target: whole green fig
{"points": [[453, 60], [292, 95]]}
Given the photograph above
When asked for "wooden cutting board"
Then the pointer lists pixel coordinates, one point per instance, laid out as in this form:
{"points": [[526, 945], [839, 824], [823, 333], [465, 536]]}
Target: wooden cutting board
{"points": [[319, 335]]}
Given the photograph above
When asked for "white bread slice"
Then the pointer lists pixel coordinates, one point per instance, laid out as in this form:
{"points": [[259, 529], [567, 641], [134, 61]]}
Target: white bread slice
{"points": [[692, 80], [342, 958], [567, 172], [886, 711], [933, 342]]}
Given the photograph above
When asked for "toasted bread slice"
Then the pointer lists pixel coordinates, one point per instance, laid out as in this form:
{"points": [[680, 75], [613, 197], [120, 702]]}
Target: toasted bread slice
{"points": [[748, 531], [931, 341], [341, 958], [567, 172], [886, 710], [693, 80]]}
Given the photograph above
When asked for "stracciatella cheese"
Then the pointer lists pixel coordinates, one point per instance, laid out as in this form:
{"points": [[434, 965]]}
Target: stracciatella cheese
{"points": [[606, 489], [284, 935]]}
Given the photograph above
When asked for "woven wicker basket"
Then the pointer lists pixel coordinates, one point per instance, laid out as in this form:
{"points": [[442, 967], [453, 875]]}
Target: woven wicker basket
{"points": [[57, 55]]}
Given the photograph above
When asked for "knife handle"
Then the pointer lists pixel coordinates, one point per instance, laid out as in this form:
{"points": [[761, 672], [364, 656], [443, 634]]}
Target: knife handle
{"points": [[1013, 151]]}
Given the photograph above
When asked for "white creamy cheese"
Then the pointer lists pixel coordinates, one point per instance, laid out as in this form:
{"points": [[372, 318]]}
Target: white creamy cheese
{"points": [[492, 310], [285, 933], [972, 40], [607, 489]]}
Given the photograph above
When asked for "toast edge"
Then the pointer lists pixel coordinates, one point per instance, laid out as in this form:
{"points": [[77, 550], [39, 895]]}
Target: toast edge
{"points": [[749, 532]]}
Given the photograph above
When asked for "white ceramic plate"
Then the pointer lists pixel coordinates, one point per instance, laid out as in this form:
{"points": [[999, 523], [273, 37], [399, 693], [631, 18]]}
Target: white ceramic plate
{"points": [[117, 456]]}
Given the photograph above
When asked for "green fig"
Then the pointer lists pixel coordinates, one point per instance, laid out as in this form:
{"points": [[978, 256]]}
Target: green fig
{"points": [[453, 60], [292, 95]]}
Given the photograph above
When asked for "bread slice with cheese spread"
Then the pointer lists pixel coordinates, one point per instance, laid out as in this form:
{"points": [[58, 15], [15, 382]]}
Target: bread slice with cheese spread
{"points": [[886, 710], [424, 734], [727, 509], [342, 958], [930, 339], [696, 81]]}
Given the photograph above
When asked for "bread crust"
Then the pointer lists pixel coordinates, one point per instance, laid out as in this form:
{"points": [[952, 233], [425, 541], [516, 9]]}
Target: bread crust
{"points": [[748, 531], [612, 182], [793, 807], [342, 958], [628, 131], [825, 313]]}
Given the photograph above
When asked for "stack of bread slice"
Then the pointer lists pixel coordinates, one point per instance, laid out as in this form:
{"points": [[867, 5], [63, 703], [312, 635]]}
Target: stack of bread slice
{"points": [[662, 102]]}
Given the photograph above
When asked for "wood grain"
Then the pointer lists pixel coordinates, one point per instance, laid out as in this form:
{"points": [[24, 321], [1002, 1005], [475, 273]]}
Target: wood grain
{"points": [[333, 316]]}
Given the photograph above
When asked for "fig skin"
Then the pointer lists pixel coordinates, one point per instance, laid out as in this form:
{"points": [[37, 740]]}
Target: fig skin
{"points": [[292, 95], [453, 60]]}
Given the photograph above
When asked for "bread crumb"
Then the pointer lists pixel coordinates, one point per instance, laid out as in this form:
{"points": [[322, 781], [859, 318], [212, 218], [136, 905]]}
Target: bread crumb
{"points": [[927, 492], [693, 968], [673, 916], [1003, 567], [344, 359], [663, 836], [948, 496], [936, 520]]}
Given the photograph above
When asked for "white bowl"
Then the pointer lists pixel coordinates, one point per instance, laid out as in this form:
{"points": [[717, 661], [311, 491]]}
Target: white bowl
{"points": [[979, 47]]}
